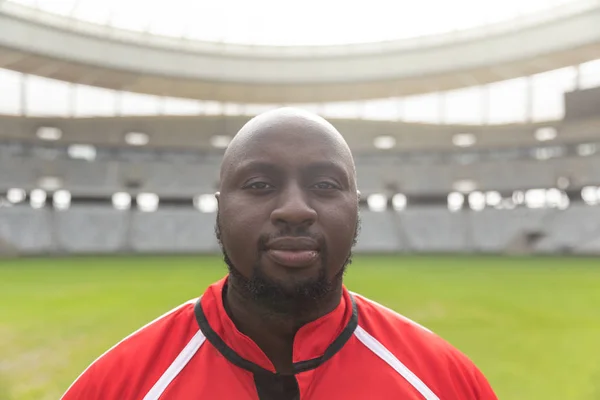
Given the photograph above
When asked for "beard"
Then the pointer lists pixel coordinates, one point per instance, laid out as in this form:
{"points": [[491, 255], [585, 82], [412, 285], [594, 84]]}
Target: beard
{"points": [[295, 297]]}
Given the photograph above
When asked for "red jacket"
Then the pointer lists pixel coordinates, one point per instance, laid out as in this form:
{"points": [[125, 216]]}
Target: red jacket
{"points": [[361, 350]]}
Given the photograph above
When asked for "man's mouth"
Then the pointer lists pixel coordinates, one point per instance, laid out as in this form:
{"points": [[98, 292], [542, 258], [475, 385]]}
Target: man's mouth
{"points": [[293, 251]]}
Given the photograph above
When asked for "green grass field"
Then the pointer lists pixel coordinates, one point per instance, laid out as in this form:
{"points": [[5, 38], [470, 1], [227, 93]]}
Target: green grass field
{"points": [[531, 324]]}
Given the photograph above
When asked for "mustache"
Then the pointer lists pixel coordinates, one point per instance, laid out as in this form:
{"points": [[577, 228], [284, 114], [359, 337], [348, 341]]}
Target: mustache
{"points": [[266, 238]]}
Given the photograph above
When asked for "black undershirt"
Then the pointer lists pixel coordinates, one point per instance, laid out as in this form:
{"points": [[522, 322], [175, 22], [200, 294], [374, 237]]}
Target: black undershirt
{"points": [[276, 387]]}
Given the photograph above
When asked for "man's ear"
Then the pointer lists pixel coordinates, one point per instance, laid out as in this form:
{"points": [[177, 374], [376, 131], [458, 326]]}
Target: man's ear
{"points": [[217, 196], [358, 193]]}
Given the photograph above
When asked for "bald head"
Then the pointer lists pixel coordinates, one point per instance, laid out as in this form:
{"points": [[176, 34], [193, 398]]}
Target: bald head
{"points": [[288, 211], [286, 125]]}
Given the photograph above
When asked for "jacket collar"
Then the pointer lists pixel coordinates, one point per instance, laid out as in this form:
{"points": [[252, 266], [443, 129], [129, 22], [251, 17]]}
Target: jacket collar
{"points": [[314, 343]]}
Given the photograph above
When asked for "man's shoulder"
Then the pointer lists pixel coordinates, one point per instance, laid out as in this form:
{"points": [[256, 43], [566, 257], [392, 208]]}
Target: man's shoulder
{"points": [[140, 358], [174, 324], [376, 317], [426, 354], [397, 332]]}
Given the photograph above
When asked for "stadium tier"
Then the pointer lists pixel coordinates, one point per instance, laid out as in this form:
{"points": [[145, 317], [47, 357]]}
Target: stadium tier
{"points": [[92, 229], [87, 189], [389, 174], [463, 141], [146, 185]]}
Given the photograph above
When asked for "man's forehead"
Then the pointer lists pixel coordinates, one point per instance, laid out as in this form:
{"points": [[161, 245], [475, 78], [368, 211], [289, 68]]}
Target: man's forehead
{"points": [[307, 165], [287, 137], [287, 122], [292, 140], [264, 161], [282, 131]]}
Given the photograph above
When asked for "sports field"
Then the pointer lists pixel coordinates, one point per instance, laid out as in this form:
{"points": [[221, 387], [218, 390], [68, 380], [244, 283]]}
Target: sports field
{"points": [[531, 324]]}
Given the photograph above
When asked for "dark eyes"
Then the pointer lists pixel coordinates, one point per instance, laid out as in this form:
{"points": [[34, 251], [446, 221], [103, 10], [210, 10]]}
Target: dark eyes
{"points": [[325, 186], [267, 186], [259, 186]]}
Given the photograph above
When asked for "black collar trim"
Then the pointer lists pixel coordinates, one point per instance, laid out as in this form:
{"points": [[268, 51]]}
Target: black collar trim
{"points": [[298, 367]]}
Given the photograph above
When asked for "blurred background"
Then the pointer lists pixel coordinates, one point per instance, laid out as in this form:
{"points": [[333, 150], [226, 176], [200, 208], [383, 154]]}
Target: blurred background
{"points": [[475, 126]]}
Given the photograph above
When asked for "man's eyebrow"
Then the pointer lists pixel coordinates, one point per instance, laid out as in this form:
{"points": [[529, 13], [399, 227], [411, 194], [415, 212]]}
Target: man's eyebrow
{"points": [[255, 165], [339, 170], [259, 166], [327, 166]]}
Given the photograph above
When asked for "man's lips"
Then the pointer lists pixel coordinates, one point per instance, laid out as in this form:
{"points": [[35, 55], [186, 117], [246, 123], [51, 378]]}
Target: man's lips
{"points": [[289, 258], [293, 251], [292, 243]]}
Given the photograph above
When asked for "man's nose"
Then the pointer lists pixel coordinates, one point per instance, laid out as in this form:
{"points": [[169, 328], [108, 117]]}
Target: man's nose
{"points": [[293, 208]]}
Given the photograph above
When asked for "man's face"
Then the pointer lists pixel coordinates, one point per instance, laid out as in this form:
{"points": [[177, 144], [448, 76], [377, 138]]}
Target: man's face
{"points": [[288, 213]]}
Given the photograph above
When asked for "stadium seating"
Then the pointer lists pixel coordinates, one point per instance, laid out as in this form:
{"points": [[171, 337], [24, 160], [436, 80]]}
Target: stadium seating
{"points": [[590, 247], [173, 230], [27, 230], [84, 177], [178, 179], [493, 230], [106, 177], [102, 229], [435, 229], [379, 233], [16, 172], [573, 230], [201, 176], [432, 229], [91, 229]]}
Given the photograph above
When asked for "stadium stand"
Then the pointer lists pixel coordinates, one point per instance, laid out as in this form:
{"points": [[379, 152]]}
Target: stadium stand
{"points": [[435, 230], [426, 175], [379, 233], [91, 229], [173, 231], [27, 230], [99, 229], [570, 231], [496, 231], [452, 154]]}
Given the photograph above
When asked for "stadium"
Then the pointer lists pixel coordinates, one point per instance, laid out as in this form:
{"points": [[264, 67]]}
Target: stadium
{"points": [[475, 128]]}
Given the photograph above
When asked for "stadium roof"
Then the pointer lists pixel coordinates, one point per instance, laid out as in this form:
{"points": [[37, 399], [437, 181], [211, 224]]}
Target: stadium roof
{"points": [[306, 23], [268, 52]]}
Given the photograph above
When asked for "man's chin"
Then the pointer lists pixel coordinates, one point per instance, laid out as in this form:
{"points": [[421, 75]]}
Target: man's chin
{"points": [[291, 286], [284, 292], [290, 279]]}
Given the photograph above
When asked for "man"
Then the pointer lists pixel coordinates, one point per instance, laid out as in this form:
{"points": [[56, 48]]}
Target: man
{"points": [[281, 325]]}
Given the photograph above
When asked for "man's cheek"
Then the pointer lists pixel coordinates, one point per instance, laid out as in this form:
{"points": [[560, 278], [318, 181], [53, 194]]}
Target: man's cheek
{"points": [[340, 224]]}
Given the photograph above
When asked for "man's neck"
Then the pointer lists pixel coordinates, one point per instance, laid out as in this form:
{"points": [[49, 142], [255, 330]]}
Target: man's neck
{"points": [[273, 332]]}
